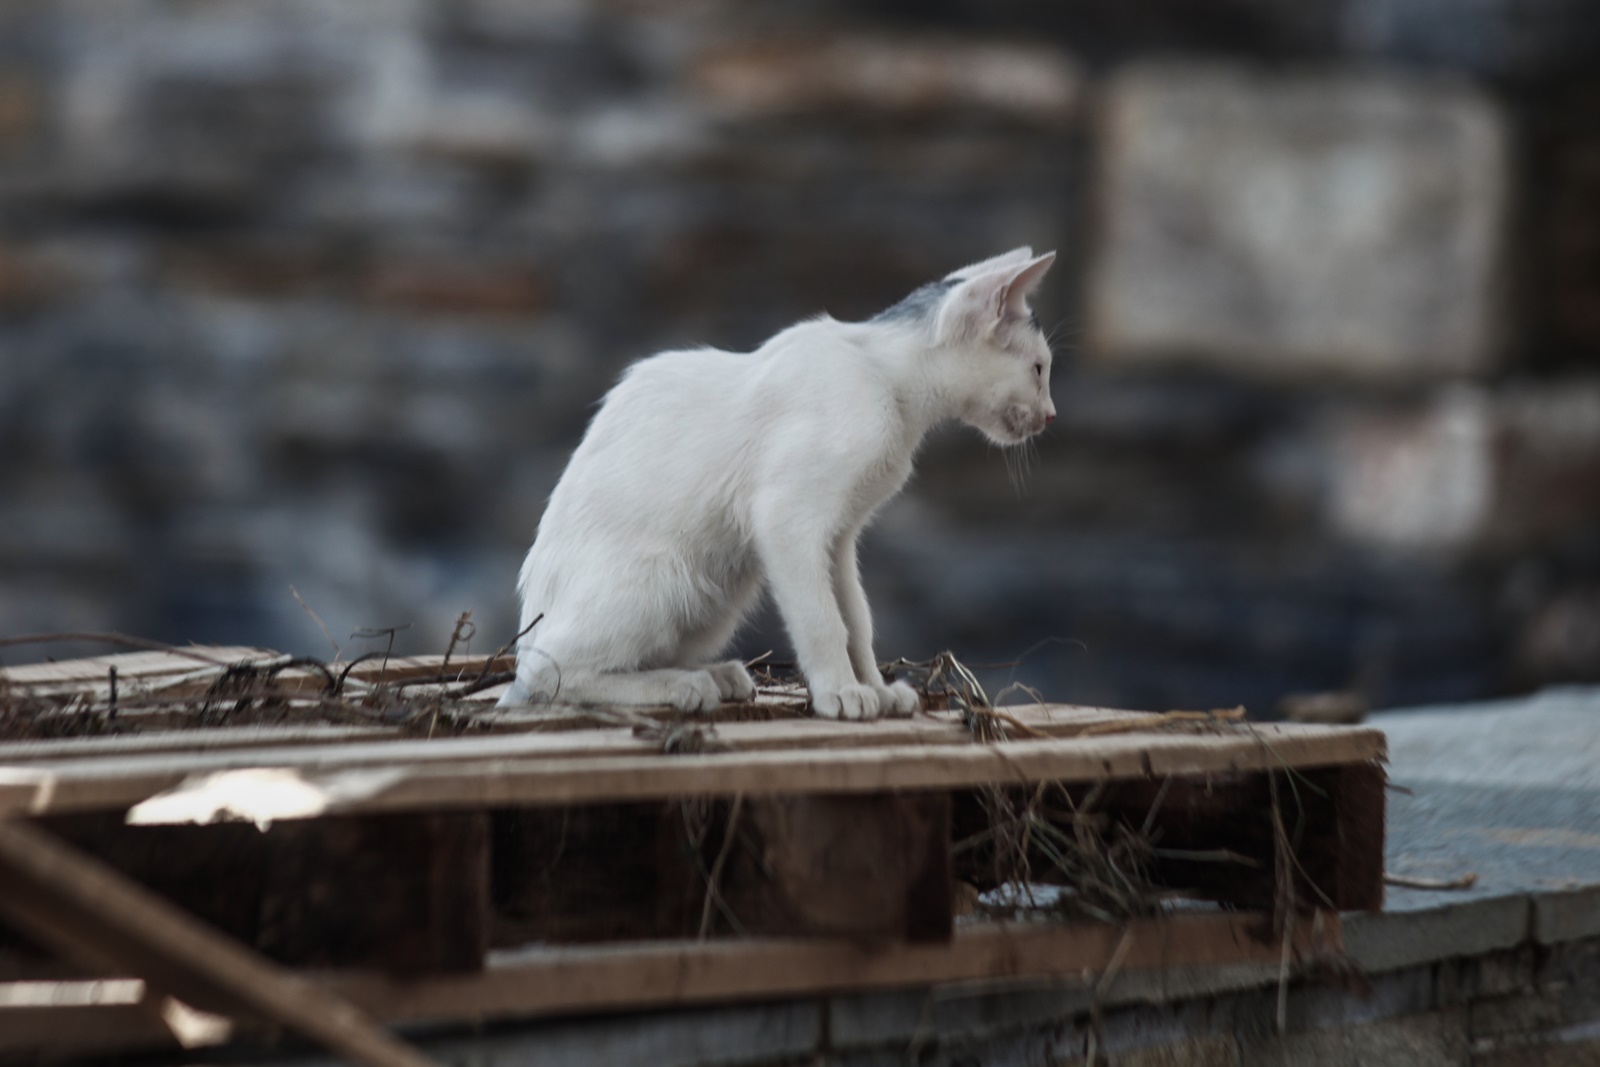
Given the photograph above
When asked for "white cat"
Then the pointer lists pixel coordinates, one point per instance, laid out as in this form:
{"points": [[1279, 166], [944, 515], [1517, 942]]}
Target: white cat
{"points": [[706, 473]]}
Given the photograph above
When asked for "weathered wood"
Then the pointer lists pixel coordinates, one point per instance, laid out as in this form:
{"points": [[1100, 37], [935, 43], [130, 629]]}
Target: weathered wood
{"points": [[1350, 822], [405, 893], [1214, 837], [85, 908], [209, 739], [43, 1034], [603, 873], [552, 981], [547, 981], [133, 666], [874, 867], [363, 745], [440, 774]]}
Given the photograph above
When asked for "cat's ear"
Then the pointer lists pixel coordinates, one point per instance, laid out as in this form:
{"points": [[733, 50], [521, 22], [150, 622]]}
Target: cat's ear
{"points": [[1005, 259], [976, 306]]}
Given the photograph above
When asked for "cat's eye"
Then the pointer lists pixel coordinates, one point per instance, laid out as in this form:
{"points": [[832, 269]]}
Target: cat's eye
{"points": [[1038, 370]]}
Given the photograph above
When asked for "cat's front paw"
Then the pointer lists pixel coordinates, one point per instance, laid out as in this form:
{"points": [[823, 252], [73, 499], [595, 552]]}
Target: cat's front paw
{"points": [[733, 680], [846, 702], [898, 698], [695, 691]]}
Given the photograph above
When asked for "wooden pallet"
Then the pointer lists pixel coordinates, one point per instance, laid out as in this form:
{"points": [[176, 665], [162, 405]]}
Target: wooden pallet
{"points": [[801, 856]]}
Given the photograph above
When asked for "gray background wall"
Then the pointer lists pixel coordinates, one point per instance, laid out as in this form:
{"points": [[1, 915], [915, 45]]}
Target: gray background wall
{"points": [[320, 294]]}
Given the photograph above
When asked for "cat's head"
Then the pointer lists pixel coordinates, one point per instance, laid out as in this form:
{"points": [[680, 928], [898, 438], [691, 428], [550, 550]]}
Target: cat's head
{"points": [[1000, 358]]}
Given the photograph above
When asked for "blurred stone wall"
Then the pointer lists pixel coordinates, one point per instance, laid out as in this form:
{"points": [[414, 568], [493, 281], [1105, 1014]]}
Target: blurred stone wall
{"points": [[320, 294]]}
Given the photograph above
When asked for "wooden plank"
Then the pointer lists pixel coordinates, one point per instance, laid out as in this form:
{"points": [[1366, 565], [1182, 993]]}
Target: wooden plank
{"points": [[199, 757], [872, 867], [1214, 836], [1350, 817], [546, 982], [572, 739], [405, 892], [201, 740], [45, 1034], [140, 666], [84, 907], [514, 774], [549, 981]]}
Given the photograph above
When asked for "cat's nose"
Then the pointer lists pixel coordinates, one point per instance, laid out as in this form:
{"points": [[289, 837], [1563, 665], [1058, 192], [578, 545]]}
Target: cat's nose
{"points": [[1049, 417]]}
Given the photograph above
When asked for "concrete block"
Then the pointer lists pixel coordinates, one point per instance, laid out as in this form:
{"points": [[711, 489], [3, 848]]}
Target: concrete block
{"points": [[1500, 38], [1568, 916], [968, 1011], [1218, 181], [1387, 941], [1560, 639], [764, 1034], [19, 109], [1514, 1015], [929, 1016], [1437, 1039], [1214, 1051], [1557, 1052], [1468, 468], [1399, 994], [1414, 479], [1502, 974]]}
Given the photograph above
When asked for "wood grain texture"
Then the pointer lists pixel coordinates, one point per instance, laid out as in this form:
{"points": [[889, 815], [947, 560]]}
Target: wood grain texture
{"points": [[82, 907], [549, 981], [519, 770]]}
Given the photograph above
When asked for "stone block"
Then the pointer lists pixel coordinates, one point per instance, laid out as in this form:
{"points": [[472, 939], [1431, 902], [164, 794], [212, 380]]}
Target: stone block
{"points": [[1502, 38], [27, 280], [1437, 1039], [1214, 1051], [19, 110], [1468, 469], [1502, 974], [1514, 1015], [1299, 226], [728, 1036], [856, 76], [1561, 232], [1569, 916], [1560, 638], [468, 290], [1390, 940], [923, 1016], [1583, 1052]]}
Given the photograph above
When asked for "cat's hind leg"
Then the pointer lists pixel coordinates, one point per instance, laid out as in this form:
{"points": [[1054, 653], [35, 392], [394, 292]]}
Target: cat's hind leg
{"points": [[716, 628], [539, 681]]}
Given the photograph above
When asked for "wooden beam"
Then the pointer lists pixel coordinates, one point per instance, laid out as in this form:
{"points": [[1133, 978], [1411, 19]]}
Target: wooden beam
{"points": [[207, 739], [549, 981], [83, 907], [518, 771], [212, 748], [44, 1034], [131, 666], [404, 892]]}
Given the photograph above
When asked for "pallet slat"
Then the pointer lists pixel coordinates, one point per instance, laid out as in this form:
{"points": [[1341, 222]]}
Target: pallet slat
{"points": [[517, 770], [131, 666], [552, 980], [75, 902]]}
